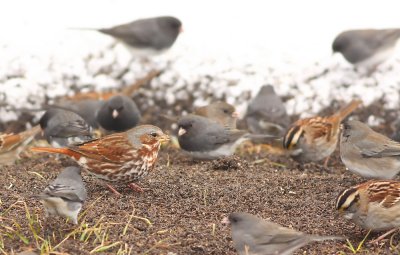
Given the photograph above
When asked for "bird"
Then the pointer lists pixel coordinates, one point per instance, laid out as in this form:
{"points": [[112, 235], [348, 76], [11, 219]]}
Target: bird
{"points": [[65, 195], [87, 109], [62, 128], [373, 205], [366, 48], [368, 153], [117, 114], [147, 37], [252, 235], [266, 113], [315, 138], [221, 112], [117, 158], [206, 139], [11, 145]]}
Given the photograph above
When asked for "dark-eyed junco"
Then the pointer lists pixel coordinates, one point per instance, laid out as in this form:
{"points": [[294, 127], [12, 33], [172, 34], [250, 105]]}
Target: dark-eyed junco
{"points": [[203, 138], [148, 36], [368, 153], [266, 113], [366, 48], [118, 114], [87, 109], [254, 236], [315, 138], [65, 195], [64, 128], [221, 112]]}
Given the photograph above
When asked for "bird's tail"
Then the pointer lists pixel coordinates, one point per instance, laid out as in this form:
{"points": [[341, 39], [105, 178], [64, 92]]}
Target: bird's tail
{"points": [[323, 238], [64, 151], [83, 28], [347, 110], [10, 141]]}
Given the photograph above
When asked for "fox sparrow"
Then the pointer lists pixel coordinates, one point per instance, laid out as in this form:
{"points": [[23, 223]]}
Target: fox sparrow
{"points": [[121, 157]]}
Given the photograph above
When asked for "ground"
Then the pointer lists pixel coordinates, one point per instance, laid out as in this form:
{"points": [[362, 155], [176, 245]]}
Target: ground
{"points": [[182, 206]]}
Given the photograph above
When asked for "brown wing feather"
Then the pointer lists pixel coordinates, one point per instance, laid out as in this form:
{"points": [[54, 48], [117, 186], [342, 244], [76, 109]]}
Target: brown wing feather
{"points": [[387, 193], [112, 148]]}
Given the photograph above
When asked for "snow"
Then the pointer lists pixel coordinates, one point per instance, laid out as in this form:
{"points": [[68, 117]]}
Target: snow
{"points": [[228, 49]]}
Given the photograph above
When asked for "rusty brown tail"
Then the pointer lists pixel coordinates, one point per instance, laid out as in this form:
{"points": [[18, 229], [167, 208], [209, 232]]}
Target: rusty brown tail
{"points": [[347, 110], [64, 151]]}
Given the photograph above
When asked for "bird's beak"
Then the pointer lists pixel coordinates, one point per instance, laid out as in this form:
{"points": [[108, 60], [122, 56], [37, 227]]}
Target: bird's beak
{"points": [[225, 221], [181, 30], [164, 138], [235, 115], [181, 132], [115, 114]]}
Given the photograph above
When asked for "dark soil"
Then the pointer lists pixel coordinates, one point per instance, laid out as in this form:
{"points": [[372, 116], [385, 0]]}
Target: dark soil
{"points": [[185, 202]]}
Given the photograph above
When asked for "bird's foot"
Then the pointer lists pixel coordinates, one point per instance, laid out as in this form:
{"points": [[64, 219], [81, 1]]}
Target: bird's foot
{"points": [[135, 187], [113, 190], [380, 238]]}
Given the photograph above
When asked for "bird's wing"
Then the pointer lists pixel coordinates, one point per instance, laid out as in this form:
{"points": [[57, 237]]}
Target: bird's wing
{"points": [[369, 148], [63, 191], [112, 148], [71, 128], [136, 33]]}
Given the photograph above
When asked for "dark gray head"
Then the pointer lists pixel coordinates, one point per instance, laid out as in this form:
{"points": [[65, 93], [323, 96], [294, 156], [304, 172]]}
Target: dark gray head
{"points": [[267, 89], [190, 124], [118, 114], [242, 219], [49, 114], [71, 171], [354, 129], [341, 42], [170, 23]]}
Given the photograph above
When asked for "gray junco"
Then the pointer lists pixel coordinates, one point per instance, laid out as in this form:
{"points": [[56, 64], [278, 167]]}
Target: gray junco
{"points": [[254, 236], [368, 153], [87, 109], [366, 48], [65, 195], [118, 114], [266, 113], [148, 36], [203, 138], [221, 112], [64, 128]]}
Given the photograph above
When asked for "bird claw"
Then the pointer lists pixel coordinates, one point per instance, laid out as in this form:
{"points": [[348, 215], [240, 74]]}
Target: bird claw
{"points": [[380, 238], [135, 187], [113, 190]]}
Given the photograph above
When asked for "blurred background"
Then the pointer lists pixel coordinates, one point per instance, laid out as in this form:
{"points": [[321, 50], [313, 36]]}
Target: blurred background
{"points": [[228, 49]]}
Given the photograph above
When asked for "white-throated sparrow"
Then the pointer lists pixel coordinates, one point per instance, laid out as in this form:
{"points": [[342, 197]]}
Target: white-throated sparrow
{"points": [[373, 205], [315, 138]]}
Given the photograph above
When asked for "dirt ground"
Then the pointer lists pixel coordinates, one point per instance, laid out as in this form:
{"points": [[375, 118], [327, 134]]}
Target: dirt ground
{"points": [[181, 209], [183, 204]]}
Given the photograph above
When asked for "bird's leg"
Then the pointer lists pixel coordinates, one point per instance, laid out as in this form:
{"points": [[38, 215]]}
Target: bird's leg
{"points": [[380, 238], [113, 190], [135, 187], [327, 161]]}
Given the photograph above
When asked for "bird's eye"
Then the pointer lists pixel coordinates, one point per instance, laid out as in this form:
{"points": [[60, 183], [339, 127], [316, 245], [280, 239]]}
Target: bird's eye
{"points": [[226, 111], [154, 134]]}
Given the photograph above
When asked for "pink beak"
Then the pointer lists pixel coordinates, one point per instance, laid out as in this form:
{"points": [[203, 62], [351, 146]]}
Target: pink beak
{"points": [[235, 115], [181, 132], [115, 114], [225, 221]]}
